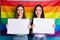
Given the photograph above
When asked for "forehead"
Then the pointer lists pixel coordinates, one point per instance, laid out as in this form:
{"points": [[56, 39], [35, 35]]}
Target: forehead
{"points": [[20, 7], [38, 7]]}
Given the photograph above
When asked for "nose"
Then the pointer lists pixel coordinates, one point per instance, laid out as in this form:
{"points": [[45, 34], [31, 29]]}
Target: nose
{"points": [[19, 11], [37, 12]]}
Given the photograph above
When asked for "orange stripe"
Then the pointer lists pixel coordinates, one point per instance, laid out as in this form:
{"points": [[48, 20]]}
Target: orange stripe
{"points": [[52, 9], [30, 9]]}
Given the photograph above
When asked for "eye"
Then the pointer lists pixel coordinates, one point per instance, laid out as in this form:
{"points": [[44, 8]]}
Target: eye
{"points": [[39, 10], [21, 9]]}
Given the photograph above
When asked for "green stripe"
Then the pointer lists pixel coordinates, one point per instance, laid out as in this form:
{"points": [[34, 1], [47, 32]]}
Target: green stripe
{"points": [[57, 21], [4, 20]]}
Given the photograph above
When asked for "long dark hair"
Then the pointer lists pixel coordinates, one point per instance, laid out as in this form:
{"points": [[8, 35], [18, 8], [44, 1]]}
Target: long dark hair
{"points": [[42, 15], [16, 15], [34, 15]]}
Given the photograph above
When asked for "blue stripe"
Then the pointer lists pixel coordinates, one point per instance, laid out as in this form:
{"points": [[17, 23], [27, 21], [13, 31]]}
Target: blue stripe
{"points": [[57, 28], [3, 27]]}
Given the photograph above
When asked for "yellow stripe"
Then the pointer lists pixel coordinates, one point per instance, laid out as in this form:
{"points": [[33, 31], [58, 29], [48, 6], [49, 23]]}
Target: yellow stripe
{"points": [[52, 15], [7, 15], [29, 15], [12, 15], [30, 9]]}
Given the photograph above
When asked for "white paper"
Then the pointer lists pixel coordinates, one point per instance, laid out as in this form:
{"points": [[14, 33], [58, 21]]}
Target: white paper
{"points": [[18, 26], [43, 25]]}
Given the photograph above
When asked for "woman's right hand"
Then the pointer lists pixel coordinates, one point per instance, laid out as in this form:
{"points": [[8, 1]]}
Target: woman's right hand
{"points": [[29, 26], [6, 25], [33, 26]]}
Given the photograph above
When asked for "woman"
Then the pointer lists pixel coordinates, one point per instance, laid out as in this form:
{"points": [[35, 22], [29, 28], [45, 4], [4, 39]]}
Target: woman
{"points": [[20, 14], [38, 13]]}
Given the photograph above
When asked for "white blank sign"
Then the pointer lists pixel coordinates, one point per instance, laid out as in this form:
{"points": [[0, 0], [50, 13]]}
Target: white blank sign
{"points": [[18, 26], [43, 25]]}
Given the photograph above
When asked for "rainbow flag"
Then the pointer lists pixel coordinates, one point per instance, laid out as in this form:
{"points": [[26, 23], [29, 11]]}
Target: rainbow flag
{"points": [[51, 10]]}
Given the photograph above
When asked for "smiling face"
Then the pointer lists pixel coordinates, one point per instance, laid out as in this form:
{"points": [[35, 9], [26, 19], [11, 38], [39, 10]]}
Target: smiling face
{"points": [[20, 11], [38, 11]]}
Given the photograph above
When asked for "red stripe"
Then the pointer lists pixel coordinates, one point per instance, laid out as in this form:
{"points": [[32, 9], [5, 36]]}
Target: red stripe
{"points": [[30, 0], [30, 4]]}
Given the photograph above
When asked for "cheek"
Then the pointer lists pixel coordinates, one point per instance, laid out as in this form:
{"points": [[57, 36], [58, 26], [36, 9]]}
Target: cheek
{"points": [[18, 12], [40, 12], [36, 12], [22, 11]]}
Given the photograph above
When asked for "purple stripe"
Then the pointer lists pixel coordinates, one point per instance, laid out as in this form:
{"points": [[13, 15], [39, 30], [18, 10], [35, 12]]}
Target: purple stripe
{"points": [[57, 34]]}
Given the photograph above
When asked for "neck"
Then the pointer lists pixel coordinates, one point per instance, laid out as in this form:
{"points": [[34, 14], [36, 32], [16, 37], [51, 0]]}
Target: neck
{"points": [[39, 17], [19, 17]]}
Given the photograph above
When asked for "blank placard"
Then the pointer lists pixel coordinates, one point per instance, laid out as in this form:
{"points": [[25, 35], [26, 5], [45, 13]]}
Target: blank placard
{"points": [[43, 25], [18, 26]]}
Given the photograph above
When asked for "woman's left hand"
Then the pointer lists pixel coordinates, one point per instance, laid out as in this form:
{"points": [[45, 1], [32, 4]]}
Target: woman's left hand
{"points": [[53, 25]]}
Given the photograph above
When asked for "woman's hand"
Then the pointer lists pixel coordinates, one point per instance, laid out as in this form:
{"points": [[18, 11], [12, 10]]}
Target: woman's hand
{"points": [[53, 25], [29, 26], [33, 26], [6, 25]]}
